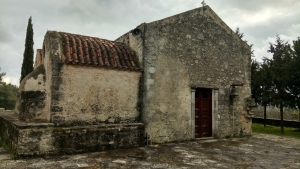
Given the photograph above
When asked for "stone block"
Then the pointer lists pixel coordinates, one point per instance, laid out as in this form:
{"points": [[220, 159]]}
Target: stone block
{"points": [[40, 139]]}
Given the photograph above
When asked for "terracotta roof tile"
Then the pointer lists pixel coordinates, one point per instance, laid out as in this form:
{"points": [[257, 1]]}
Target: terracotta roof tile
{"points": [[92, 51]]}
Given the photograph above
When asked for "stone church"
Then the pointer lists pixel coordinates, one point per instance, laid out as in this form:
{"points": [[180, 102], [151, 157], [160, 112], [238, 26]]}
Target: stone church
{"points": [[180, 78]]}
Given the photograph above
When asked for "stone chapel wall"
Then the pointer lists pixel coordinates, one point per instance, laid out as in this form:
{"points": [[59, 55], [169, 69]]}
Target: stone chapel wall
{"points": [[194, 49], [84, 95]]}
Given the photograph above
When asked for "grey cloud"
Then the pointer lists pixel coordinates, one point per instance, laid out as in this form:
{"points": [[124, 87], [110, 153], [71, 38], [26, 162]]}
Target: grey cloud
{"points": [[4, 33], [111, 18], [253, 6], [271, 28]]}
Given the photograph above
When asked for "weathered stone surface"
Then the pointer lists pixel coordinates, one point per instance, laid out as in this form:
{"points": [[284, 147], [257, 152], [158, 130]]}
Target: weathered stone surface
{"points": [[67, 94], [260, 151], [66, 108], [31, 105], [38, 58], [82, 95], [194, 49], [95, 108], [105, 96], [31, 139], [31, 96]]}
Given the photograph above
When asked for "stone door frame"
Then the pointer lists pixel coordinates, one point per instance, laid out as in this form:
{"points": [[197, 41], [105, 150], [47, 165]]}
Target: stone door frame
{"points": [[215, 105]]}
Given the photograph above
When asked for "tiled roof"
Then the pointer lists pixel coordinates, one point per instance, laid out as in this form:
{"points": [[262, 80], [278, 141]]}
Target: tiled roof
{"points": [[92, 51]]}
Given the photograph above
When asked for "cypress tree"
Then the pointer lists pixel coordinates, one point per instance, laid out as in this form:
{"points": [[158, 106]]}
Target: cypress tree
{"points": [[27, 65]]}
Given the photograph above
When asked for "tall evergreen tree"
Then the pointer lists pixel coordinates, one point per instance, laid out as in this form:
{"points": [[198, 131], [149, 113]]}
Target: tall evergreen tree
{"points": [[266, 85], [280, 71], [27, 65], [255, 83], [261, 84]]}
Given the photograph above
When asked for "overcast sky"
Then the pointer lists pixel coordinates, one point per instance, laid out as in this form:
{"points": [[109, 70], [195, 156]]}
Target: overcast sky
{"points": [[259, 20]]}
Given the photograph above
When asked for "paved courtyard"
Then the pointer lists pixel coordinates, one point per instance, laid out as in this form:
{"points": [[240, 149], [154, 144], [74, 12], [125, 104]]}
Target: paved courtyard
{"points": [[259, 151]]}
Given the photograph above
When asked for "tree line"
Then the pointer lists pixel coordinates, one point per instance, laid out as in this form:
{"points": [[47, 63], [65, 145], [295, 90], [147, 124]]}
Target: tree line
{"points": [[276, 81], [8, 94]]}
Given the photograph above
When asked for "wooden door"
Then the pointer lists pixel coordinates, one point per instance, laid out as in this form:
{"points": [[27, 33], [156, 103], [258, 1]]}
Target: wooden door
{"points": [[203, 113]]}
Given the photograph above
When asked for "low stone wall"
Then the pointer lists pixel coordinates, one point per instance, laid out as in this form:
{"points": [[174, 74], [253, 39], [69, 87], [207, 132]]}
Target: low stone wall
{"points": [[274, 113], [276, 122], [3, 110], [8, 130], [39, 139]]}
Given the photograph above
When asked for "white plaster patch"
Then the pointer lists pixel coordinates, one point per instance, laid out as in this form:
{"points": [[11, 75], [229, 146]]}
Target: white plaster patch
{"points": [[150, 94], [149, 83], [82, 165], [151, 69], [119, 161], [33, 84]]}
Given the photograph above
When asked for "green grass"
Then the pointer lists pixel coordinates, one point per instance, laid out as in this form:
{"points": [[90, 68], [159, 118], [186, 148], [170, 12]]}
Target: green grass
{"points": [[275, 130]]}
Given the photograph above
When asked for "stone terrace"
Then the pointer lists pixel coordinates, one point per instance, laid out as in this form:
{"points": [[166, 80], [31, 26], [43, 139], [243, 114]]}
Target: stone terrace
{"points": [[259, 151]]}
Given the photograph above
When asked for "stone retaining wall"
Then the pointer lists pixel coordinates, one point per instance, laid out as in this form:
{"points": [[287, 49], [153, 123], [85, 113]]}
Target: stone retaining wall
{"points": [[276, 122], [31, 139], [3, 110], [274, 113]]}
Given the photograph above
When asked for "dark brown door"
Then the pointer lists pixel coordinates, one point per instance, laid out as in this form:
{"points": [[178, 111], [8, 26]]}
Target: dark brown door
{"points": [[203, 113]]}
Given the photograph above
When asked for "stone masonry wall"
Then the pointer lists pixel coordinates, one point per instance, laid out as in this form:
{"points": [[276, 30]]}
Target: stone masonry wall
{"points": [[194, 49], [63, 140], [83, 95], [91, 95], [31, 96], [39, 139]]}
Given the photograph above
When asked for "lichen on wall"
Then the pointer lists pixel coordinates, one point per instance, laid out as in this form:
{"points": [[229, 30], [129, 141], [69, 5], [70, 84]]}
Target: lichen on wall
{"points": [[91, 95], [194, 49], [31, 96]]}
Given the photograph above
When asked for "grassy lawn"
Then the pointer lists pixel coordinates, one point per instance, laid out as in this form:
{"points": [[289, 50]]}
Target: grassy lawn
{"points": [[288, 131]]}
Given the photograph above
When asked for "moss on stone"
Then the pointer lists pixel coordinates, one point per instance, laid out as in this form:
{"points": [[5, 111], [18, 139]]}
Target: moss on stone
{"points": [[3, 144], [31, 99], [6, 147]]}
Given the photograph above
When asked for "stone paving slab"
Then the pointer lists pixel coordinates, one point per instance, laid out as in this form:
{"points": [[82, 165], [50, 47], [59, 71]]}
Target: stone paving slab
{"points": [[259, 151]]}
